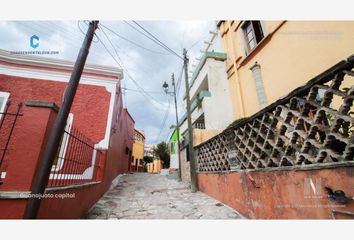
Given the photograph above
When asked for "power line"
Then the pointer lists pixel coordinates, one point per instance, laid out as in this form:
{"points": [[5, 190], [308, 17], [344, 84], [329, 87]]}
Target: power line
{"points": [[164, 45], [195, 43], [153, 38], [179, 80], [164, 119], [134, 81], [136, 90], [144, 93], [144, 34], [43, 28], [121, 50], [136, 44], [109, 52]]}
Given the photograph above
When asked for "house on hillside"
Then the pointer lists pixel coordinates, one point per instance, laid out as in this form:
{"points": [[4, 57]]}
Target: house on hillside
{"points": [[211, 108], [138, 151], [96, 145]]}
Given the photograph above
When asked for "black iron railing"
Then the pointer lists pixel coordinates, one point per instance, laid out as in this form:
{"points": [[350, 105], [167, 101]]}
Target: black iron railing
{"points": [[313, 126], [7, 127], [76, 160]]}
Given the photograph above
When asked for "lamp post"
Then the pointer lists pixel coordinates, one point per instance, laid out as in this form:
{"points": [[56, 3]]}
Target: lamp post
{"points": [[165, 88]]}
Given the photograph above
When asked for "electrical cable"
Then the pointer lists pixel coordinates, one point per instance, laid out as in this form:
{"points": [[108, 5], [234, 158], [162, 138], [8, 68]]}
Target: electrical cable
{"points": [[136, 90], [138, 45], [126, 68], [164, 119], [164, 45], [155, 41], [143, 92]]}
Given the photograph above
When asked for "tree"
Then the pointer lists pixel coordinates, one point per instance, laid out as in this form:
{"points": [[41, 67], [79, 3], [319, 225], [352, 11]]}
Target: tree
{"points": [[147, 159], [162, 152]]}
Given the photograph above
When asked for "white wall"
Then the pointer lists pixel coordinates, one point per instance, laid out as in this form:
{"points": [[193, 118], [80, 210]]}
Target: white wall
{"points": [[217, 108], [174, 160]]}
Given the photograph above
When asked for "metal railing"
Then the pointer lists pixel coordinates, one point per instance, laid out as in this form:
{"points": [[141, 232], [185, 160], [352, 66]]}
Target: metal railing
{"points": [[312, 126], [7, 126], [76, 160]]}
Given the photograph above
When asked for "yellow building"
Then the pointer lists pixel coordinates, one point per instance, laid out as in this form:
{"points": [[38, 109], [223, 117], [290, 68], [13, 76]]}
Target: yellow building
{"points": [[138, 151], [268, 59], [155, 166]]}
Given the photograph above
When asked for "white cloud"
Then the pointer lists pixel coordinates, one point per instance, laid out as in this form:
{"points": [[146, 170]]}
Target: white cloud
{"points": [[149, 69]]}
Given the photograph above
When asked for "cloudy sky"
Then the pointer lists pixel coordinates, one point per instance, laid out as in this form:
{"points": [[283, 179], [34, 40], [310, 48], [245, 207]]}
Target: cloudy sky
{"points": [[143, 61]]}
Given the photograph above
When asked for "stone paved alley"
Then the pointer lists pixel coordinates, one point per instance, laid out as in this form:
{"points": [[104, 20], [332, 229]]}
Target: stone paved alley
{"points": [[153, 196]]}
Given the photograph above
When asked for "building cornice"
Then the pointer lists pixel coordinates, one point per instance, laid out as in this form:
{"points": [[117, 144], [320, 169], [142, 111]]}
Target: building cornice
{"points": [[52, 64]]}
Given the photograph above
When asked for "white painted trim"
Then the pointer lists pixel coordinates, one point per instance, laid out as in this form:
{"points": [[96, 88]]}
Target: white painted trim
{"points": [[110, 85], [87, 174], [5, 95], [3, 175], [53, 75], [62, 151], [104, 143]]}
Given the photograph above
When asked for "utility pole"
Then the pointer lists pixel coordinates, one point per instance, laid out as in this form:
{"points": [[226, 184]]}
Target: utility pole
{"points": [[194, 186], [177, 130], [44, 169], [165, 88]]}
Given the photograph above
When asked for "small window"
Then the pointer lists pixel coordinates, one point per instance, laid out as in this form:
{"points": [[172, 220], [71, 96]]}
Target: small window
{"points": [[253, 34]]}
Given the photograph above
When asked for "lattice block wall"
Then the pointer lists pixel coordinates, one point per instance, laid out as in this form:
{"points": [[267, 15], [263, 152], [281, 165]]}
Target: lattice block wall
{"points": [[312, 125]]}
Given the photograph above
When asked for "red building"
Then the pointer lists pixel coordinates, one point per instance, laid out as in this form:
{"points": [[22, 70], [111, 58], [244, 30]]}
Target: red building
{"points": [[96, 145]]}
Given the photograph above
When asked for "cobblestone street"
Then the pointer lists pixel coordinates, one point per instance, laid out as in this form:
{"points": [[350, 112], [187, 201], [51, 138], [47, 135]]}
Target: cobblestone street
{"points": [[153, 196]]}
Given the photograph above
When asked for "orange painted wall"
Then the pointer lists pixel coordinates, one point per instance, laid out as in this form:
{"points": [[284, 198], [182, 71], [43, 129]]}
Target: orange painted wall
{"points": [[280, 194]]}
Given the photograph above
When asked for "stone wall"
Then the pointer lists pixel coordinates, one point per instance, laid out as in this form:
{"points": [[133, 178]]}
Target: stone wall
{"points": [[185, 167]]}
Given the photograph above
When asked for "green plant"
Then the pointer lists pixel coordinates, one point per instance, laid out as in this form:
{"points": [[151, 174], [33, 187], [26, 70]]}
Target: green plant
{"points": [[237, 121], [147, 159], [162, 152], [347, 128]]}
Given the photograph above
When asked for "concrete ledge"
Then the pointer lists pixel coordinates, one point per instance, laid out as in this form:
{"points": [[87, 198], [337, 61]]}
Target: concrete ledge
{"points": [[317, 166], [25, 194], [59, 188], [35, 103]]}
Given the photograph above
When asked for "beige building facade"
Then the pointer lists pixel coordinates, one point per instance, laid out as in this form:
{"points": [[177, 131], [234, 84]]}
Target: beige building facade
{"points": [[268, 59]]}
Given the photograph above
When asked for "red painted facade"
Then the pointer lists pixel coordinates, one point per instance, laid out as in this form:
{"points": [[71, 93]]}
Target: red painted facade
{"points": [[90, 115]]}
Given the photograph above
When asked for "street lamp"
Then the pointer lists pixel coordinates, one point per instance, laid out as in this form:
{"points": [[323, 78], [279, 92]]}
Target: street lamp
{"points": [[166, 88]]}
